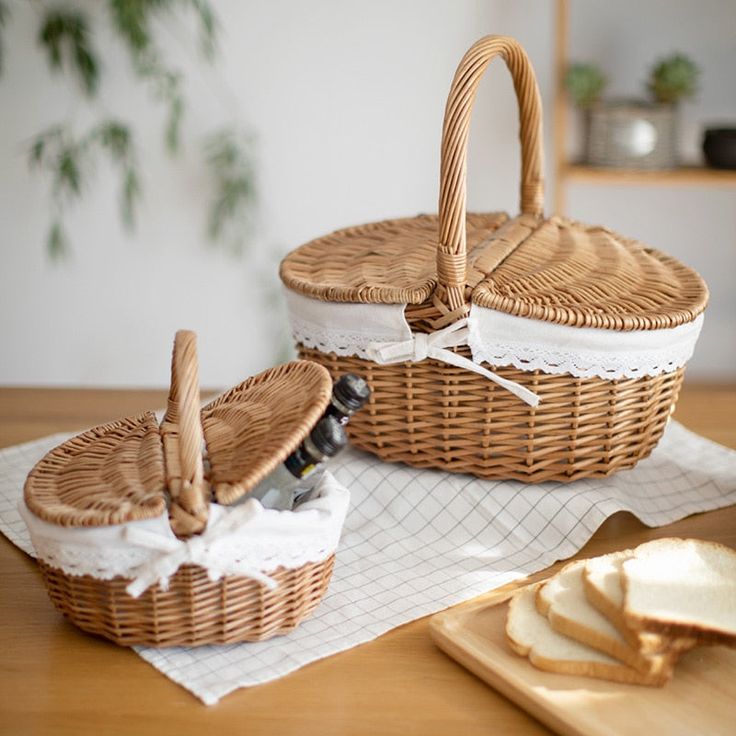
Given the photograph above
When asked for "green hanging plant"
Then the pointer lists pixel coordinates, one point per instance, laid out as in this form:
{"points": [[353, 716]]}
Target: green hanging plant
{"points": [[68, 161], [69, 158]]}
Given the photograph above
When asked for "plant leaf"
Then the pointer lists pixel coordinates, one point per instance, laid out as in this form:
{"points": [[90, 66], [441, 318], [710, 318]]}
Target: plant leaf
{"points": [[57, 242], [208, 28], [131, 19], [4, 17], [173, 124], [68, 29], [115, 137], [131, 193], [68, 173], [228, 158]]}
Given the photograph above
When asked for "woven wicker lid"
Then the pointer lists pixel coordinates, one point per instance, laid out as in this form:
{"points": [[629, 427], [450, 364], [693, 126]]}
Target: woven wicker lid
{"points": [[389, 262], [552, 269], [134, 469], [109, 475], [258, 424], [562, 271]]}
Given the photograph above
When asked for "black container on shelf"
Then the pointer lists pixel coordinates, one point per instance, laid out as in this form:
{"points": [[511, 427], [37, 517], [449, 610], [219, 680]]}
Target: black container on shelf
{"points": [[719, 147]]}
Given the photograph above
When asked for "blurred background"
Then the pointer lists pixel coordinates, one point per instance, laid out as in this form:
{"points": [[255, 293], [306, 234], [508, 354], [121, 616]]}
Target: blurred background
{"points": [[156, 166]]}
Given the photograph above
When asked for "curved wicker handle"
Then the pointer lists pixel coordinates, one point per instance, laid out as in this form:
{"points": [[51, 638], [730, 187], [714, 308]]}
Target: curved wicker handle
{"points": [[182, 436], [451, 255]]}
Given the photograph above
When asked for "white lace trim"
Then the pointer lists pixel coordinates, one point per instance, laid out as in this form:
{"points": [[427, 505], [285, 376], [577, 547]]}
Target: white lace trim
{"points": [[500, 339], [328, 341], [260, 542], [530, 358], [345, 329]]}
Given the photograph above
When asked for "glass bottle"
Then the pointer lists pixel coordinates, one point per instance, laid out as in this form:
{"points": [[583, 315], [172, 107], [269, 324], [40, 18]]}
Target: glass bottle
{"points": [[349, 394], [277, 490]]}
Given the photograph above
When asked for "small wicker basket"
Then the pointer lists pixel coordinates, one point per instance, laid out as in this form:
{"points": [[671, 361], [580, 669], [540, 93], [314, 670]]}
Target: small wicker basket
{"points": [[127, 474], [458, 408]]}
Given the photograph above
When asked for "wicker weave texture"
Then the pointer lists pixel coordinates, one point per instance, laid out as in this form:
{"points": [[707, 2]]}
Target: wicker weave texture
{"points": [[573, 274], [432, 415], [554, 270], [127, 471], [181, 432], [111, 474], [255, 426], [390, 262], [194, 611]]}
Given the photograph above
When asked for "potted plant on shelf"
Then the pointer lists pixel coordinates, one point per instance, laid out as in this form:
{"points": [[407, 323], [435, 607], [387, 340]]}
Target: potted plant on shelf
{"points": [[635, 134], [585, 84]]}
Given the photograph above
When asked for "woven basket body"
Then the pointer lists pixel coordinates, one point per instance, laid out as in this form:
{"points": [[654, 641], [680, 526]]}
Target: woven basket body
{"points": [[132, 470], [437, 416], [194, 611], [553, 271]]}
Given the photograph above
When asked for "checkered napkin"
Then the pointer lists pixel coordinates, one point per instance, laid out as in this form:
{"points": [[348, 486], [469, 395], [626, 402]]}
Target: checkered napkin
{"points": [[417, 541]]}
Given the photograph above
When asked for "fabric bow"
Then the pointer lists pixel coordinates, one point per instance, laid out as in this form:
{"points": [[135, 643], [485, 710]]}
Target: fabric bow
{"points": [[201, 550], [434, 345]]}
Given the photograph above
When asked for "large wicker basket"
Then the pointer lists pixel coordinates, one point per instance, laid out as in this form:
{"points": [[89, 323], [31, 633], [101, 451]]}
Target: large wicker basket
{"points": [[118, 480], [578, 307]]}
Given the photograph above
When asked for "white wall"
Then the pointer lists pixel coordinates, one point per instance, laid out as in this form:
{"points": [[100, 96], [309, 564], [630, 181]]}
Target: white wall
{"points": [[345, 99]]}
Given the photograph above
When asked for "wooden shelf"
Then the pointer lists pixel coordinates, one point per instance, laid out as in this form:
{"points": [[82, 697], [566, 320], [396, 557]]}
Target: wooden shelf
{"points": [[685, 175], [568, 173]]}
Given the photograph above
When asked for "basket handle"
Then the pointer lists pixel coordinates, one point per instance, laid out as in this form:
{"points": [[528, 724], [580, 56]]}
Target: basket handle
{"points": [[451, 251], [182, 436]]}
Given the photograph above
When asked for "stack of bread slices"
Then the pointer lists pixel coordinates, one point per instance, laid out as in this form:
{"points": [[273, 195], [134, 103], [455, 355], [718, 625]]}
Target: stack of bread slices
{"points": [[628, 616]]}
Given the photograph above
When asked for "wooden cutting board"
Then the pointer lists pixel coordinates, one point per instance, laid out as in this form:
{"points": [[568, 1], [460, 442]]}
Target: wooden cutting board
{"points": [[699, 700]]}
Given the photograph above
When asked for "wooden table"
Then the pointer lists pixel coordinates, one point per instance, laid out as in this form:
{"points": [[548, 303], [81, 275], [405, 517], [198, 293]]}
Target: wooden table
{"points": [[57, 680]]}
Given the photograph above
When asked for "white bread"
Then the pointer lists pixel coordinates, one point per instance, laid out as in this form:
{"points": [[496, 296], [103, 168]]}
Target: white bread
{"points": [[530, 635], [563, 601], [682, 587], [604, 591]]}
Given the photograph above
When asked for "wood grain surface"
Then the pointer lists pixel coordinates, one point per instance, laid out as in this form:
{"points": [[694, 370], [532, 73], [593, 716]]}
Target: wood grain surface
{"points": [[57, 680], [473, 634]]}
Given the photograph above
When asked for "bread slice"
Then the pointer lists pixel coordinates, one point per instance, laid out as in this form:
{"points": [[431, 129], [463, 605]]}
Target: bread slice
{"points": [[563, 601], [603, 589], [682, 587], [529, 634]]}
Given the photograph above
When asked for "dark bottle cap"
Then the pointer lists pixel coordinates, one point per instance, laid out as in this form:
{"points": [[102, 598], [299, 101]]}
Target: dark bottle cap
{"points": [[328, 437], [351, 391]]}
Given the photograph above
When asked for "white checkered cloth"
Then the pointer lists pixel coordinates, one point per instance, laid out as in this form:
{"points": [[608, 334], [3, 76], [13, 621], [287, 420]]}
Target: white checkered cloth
{"points": [[417, 541]]}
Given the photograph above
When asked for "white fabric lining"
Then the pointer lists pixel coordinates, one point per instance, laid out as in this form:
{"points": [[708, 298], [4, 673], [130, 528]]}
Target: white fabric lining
{"points": [[264, 541], [499, 339]]}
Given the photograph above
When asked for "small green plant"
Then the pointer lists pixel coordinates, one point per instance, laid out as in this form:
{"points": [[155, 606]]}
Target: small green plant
{"points": [[673, 79], [585, 83]]}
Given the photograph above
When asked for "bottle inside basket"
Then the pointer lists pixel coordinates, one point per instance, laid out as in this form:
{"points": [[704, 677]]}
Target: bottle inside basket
{"points": [[279, 489], [349, 394], [293, 481]]}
